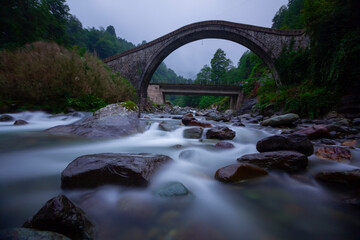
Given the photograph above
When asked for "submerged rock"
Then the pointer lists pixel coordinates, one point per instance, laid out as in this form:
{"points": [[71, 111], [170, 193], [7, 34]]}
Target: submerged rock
{"points": [[239, 172], [60, 215], [350, 177], [30, 234], [132, 169], [222, 133], [333, 153], [171, 190], [315, 132], [111, 121], [282, 120], [295, 142], [224, 145], [288, 161], [194, 133], [20, 122]]}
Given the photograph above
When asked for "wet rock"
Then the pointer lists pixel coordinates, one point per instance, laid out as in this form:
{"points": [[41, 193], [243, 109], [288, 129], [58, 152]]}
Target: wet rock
{"points": [[6, 118], [132, 169], [171, 190], [295, 142], [196, 123], [216, 116], [238, 124], [333, 153], [202, 113], [111, 121], [315, 132], [60, 215], [247, 106], [224, 145], [222, 133], [167, 127], [193, 133], [282, 120], [332, 114], [327, 141], [30, 234], [187, 118], [288, 161], [20, 122], [239, 172], [351, 144], [350, 177]]}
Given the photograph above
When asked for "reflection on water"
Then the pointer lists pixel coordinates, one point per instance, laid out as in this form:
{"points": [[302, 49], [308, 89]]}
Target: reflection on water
{"points": [[279, 206]]}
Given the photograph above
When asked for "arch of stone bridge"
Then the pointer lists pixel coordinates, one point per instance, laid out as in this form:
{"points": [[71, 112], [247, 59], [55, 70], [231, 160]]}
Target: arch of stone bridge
{"points": [[139, 64], [226, 34]]}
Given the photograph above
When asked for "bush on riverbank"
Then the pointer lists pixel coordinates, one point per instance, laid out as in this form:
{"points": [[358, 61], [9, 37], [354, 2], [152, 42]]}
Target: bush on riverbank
{"points": [[44, 75]]}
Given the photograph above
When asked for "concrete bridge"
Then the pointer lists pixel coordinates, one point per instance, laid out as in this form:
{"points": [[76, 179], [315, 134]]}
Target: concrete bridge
{"points": [[157, 92], [138, 64]]}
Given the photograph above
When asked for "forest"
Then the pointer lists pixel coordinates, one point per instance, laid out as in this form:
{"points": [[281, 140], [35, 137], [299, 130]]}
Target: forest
{"points": [[312, 80]]}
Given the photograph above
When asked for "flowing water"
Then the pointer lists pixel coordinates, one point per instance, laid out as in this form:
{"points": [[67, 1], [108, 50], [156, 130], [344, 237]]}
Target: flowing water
{"points": [[279, 206]]}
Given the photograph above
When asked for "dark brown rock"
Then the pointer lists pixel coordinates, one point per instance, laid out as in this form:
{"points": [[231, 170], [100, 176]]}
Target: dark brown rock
{"points": [[238, 124], [6, 118], [224, 145], [333, 153], [351, 177], [288, 161], [199, 124], [20, 122], [187, 118], [60, 215], [315, 132], [239, 172], [132, 169], [295, 142], [194, 133], [222, 133]]}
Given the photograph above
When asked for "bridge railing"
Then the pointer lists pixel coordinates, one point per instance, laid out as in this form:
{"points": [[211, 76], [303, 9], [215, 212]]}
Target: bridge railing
{"points": [[191, 82]]}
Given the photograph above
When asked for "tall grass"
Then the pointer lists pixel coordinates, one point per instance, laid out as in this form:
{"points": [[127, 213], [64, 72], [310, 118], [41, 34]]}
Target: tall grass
{"points": [[49, 76]]}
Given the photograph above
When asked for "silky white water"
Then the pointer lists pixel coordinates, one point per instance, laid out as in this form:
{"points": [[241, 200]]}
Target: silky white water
{"points": [[279, 206]]}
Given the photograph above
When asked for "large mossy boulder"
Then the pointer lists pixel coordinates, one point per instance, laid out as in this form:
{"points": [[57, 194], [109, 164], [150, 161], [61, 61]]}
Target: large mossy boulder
{"points": [[131, 169], [60, 215], [114, 120], [295, 142], [288, 161]]}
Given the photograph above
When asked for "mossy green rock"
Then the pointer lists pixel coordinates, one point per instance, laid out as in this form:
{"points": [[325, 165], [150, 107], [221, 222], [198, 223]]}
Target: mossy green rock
{"points": [[171, 190], [282, 120]]}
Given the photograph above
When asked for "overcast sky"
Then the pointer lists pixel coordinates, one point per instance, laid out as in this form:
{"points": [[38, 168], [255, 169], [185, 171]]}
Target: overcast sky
{"points": [[138, 20]]}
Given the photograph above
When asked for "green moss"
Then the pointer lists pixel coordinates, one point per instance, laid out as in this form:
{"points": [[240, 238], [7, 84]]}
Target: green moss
{"points": [[130, 105]]}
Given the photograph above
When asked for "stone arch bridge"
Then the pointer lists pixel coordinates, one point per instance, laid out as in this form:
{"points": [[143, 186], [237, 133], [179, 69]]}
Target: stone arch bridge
{"points": [[139, 64]]}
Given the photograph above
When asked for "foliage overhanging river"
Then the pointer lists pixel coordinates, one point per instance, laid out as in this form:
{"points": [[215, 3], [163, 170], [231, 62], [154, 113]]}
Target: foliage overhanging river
{"points": [[278, 206]]}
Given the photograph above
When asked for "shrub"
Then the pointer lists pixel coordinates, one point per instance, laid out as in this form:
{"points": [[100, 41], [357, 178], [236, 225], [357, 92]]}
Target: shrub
{"points": [[45, 74]]}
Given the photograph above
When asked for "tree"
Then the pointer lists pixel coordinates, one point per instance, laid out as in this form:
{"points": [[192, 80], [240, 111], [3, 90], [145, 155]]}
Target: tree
{"points": [[204, 76], [219, 66], [111, 30]]}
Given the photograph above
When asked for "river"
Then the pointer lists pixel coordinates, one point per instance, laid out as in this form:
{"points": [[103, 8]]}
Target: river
{"points": [[279, 206]]}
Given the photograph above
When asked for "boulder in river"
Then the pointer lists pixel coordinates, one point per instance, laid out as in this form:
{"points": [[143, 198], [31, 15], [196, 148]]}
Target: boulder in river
{"points": [[189, 120], [166, 126], [222, 133], [60, 215], [288, 161], [282, 120], [333, 153], [349, 177], [194, 133], [132, 169], [239, 172], [111, 121], [295, 142], [224, 145], [6, 118], [315, 132], [30, 234], [20, 122]]}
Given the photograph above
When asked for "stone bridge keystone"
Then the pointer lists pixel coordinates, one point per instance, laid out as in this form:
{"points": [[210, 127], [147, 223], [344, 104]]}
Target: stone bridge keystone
{"points": [[138, 64]]}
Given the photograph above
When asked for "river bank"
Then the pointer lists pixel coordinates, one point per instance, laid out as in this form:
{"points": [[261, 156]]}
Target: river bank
{"points": [[280, 205]]}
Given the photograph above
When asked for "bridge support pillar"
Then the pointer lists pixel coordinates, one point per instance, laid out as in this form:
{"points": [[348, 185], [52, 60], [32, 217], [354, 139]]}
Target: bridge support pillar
{"points": [[155, 94]]}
